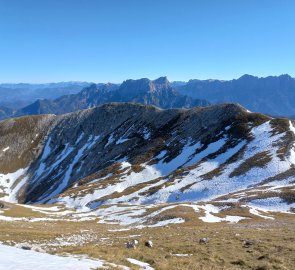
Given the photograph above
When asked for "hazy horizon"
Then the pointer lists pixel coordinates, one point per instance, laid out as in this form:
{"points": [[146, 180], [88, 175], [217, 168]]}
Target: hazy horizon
{"points": [[96, 82]]}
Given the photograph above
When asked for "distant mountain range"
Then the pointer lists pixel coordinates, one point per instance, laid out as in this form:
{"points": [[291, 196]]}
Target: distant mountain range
{"points": [[271, 95], [274, 95], [158, 92], [16, 96]]}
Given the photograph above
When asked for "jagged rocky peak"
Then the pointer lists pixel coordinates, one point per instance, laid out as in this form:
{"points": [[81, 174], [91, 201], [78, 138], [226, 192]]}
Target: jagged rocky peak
{"points": [[162, 82], [135, 86], [162, 85], [144, 85]]}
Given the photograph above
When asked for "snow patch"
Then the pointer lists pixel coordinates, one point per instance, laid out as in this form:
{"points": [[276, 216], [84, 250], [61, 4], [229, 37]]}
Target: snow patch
{"points": [[272, 204], [111, 139], [11, 183], [142, 265], [15, 258], [210, 218], [121, 140]]}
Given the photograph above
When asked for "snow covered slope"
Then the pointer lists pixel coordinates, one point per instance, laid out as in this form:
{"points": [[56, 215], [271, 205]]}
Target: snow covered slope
{"points": [[133, 154], [16, 258]]}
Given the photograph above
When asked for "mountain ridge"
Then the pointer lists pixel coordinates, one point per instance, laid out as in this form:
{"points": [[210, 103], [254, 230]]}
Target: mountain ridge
{"points": [[143, 155], [16, 96], [157, 92], [272, 95]]}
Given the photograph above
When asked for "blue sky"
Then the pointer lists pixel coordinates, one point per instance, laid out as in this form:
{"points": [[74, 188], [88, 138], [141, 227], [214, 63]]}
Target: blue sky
{"points": [[112, 40]]}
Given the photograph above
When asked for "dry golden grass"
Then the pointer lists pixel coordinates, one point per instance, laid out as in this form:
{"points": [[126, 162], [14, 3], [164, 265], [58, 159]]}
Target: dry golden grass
{"points": [[20, 134], [273, 240]]}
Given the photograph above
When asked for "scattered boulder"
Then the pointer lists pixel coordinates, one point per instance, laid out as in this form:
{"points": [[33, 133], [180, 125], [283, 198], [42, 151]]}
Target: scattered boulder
{"points": [[132, 243], [25, 247], [247, 243], [149, 244], [204, 240], [2, 205], [38, 249], [265, 256]]}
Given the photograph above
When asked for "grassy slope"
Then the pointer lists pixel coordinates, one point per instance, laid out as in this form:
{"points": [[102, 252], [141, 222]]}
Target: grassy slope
{"points": [[273, 241]]}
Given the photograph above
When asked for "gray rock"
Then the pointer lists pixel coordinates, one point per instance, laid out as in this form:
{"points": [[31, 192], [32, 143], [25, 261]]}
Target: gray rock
{"points": [[149, 244], [25, 247], [131, 244], [247, 243], [204, 240]]}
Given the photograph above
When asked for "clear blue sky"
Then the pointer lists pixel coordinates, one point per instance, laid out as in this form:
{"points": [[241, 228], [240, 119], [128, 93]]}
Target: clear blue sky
{"points": [[111, 40]]}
